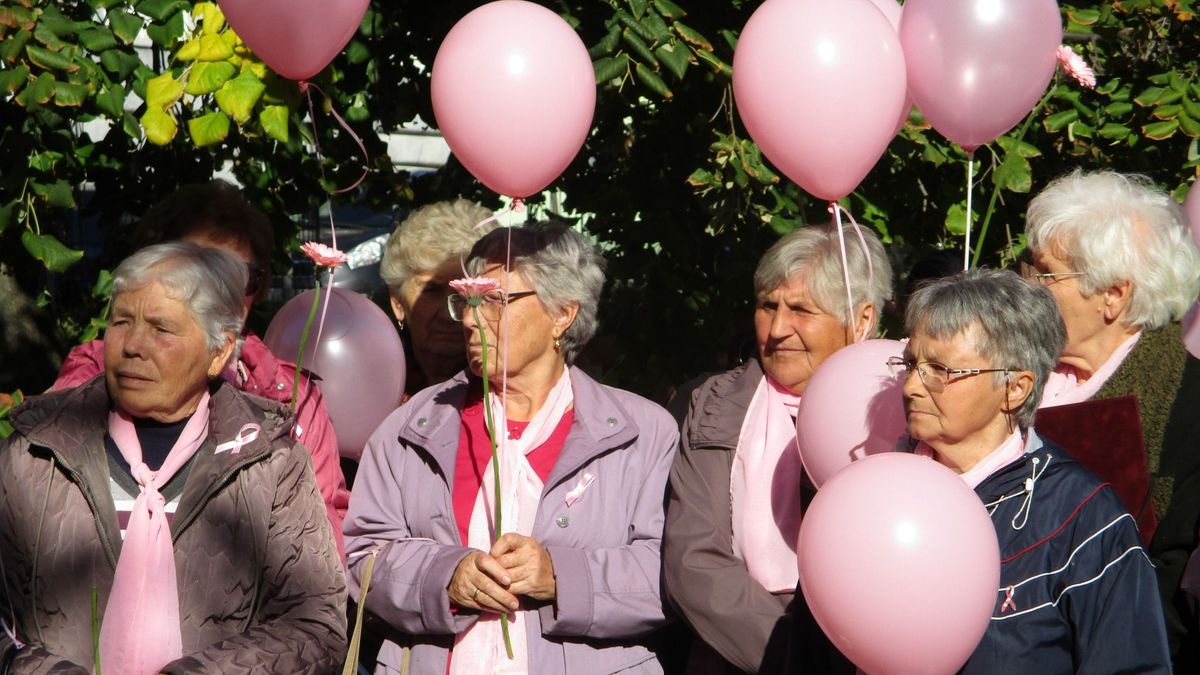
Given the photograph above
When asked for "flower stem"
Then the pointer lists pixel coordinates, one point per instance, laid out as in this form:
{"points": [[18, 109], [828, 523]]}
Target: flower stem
{"points": [[491, 428], [312, 314]]}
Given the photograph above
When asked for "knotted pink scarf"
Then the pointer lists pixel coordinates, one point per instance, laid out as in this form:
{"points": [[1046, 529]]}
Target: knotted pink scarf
{"points": [[764, 488], [140, 633]]}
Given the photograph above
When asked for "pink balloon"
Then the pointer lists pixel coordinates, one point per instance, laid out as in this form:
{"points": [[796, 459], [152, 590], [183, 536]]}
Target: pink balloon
{"points": [[900, 565], [852, 407], [296, 38], [1191, 206], [359, 360], [892, 10], [1191, 330], [514, 94], [977, 67], [820, 86]]}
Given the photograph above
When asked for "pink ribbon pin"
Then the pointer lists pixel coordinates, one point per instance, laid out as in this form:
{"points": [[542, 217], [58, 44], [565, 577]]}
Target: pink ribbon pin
{"points": [[1008, 600], [577, 491], [245, 436]]}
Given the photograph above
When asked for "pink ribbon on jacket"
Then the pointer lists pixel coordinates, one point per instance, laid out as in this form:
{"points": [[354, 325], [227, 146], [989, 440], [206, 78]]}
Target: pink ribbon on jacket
{"points": [[140, 632]]}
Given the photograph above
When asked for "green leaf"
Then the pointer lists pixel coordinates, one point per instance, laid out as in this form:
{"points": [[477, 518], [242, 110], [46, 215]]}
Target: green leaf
{"points": [[1149, 97], [239, 96], [125, 25], [12, 45], [211, 15], [607, 44], [1158, 131], [103, 286], [1118, 109], [17, 17], [956, 219], [120, 63], [1189, 125], [357, 52], [638, 7], [48, 38], [57, 194], [610, 67], [675, 57], [44, 161], [160, 9], [1114, 132], [51, 60], [653, 82], [662, 32], [13, 79], [160, 128], [718, 66], [703, 178], [692, 37], [639, 47], [47, 249], [274, 121], [67, 95], [634, 25], [165, 34], [206, 77], [1014, 173], [1059, 120], [205, 48], [1010, 144], [7, 215], [97, 39], [37, 92], [208, 129], [111, 101], [1084, 17], [1166, 112], [163, 91], [669, 9]]}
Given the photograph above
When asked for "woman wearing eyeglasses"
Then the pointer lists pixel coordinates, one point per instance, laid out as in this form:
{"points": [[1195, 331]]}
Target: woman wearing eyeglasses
{"points": [[1115, 252], [217, 215], [1077, 591], [583, 476]]}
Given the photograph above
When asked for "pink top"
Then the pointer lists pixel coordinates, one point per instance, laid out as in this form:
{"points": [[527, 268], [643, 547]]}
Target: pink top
{"points": [[1063, 385], [1009, 451]]}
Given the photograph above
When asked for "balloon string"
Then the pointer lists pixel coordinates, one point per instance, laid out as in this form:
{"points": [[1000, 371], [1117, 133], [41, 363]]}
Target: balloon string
{"points": [[970, 213], [517, 206], [837, 213], [304, 88]]}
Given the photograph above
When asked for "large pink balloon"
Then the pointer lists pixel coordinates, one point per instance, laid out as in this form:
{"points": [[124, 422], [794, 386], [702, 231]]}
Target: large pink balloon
{"points": [[900, 565], [296, 38], [1191, 330], [820, 85], [1191, 206], [852, 407], [892, 11], [977, 67], [514, 94], [359, 360]]}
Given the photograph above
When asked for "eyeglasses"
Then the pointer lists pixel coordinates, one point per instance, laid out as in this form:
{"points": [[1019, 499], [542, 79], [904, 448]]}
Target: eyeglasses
{"points": [[934, 376], [491, 308], [256, 276], [1044, 278]]}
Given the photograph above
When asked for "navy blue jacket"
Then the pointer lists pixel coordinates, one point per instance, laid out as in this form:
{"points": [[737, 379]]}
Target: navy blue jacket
{"points": [[1077, 591]]}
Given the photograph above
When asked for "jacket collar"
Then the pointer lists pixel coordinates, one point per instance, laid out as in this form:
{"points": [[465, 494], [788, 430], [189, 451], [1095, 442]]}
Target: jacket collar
{"points": [[719, 421], [1013, 476], [600, 424]]}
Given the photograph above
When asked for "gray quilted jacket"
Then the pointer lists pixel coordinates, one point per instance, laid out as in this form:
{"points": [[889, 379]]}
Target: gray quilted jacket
{"points": [[260, 582]]}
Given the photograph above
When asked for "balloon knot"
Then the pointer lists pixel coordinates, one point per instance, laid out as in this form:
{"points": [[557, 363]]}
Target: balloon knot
{"points": [[303, 85], [518, 205]]}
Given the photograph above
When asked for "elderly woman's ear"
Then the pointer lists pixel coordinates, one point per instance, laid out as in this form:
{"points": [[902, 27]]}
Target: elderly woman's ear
{"points": [[1018, 385], [565, 317], [221, 356], [865, 321], [1116, 300]]}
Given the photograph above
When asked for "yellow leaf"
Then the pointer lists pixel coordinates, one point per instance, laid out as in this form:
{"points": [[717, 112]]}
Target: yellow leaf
{"points": [[205, 48], [257, 67], [163, 91], [189, 51], [160, 128], [214, 18]]}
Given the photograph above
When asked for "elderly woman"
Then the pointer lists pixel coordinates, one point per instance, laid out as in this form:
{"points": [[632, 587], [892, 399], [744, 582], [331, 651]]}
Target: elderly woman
{"points": [[421, 257], [1077, 592], [734, 513], [1116, 254], [583, 472], [163, 505], [216, 215]]}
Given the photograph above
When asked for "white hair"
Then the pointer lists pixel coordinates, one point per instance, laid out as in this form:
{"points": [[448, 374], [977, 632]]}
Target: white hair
{"points": [[429, 237], [815, 252], [1114, 227]]}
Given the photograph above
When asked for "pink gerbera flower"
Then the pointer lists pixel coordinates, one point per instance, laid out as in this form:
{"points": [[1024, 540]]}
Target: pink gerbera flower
{"points": [[322, 255], [475, 287], [1074, 65]]}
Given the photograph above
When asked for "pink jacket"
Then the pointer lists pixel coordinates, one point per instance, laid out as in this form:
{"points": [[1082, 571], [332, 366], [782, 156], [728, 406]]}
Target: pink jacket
{"points": [[259, 372]]}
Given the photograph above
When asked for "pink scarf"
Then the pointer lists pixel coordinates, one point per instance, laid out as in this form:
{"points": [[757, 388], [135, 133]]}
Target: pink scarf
{"points": [[764, 488], [140, 633], [1063, 385], [480, 649]]}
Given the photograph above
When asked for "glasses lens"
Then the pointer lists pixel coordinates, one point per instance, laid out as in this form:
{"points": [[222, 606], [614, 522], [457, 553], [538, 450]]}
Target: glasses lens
{"points": [[934, 375], [455, 304]]}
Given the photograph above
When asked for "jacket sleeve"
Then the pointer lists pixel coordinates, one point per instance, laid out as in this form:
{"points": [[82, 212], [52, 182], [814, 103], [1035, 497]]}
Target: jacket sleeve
{"points": [[411, 574], [615, 593], [315, 431], [1117, 619], [83, 363], [709, 586], [300, 625]]}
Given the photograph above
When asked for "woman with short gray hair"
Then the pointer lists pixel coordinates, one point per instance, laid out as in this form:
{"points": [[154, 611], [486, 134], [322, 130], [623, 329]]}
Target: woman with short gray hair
{"points": [[729, 556], [1115, 252], [1077, 591], [420, 258], [582, 472], [163, 506]]}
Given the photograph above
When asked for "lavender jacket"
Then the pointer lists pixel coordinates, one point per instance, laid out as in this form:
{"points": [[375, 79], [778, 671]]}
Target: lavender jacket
{"points": [[604, 547]]}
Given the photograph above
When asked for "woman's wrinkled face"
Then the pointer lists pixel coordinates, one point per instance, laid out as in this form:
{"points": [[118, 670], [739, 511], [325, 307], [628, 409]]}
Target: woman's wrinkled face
{"points": [[795, 336], [969, 405], [437, 340], [1082, 314], [524, 332], [156, 362]]}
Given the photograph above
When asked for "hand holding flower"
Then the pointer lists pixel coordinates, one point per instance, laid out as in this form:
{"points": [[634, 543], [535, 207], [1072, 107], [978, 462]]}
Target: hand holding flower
{"points": [[528, 564]]}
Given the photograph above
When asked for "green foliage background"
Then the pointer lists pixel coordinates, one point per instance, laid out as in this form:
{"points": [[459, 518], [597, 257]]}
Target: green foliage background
{"points": [[683, 201]]}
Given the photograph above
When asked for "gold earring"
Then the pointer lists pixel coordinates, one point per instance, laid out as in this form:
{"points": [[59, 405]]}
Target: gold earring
{"points": [[558, 344], [400, 324]]}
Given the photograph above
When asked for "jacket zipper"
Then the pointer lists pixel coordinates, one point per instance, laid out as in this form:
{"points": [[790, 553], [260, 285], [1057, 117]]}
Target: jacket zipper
{"points": [[91, 500]]}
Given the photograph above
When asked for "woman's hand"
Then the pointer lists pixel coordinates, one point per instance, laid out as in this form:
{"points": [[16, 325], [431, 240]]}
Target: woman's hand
{"points": [[528, 565], [479, 582]]}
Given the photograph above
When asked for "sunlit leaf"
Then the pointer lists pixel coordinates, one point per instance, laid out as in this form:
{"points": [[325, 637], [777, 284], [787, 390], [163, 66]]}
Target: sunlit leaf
{"points": [[160, 127], [163, 91], [67, 95], [37, 92], [208, 129], [274, 120], [239, 96], [205, 77]]}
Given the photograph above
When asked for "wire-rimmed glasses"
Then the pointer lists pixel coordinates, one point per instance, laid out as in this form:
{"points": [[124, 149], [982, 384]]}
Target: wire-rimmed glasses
{"points": [[491, 308], [935, 376]]}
